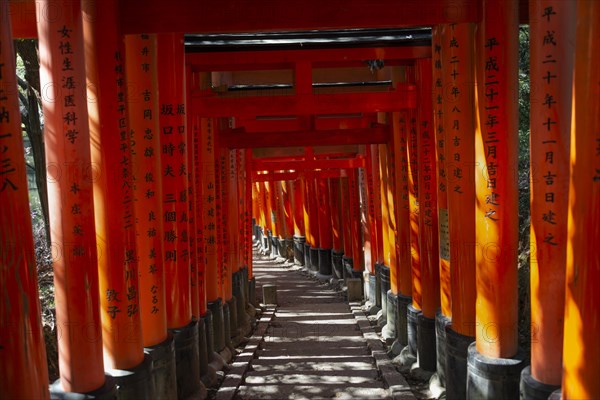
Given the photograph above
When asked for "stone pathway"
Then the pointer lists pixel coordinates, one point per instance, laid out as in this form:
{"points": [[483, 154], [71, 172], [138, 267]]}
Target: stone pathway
{"points": [[313, 347]]}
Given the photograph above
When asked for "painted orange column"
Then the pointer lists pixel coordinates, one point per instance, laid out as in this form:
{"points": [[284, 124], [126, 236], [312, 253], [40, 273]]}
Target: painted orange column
{"points": [[496, 152], [270, 210], [441, 179], [336, 210], [208, 182], [358, 259], [222, 161], [324, 206], [346, 220], [413, 199], [25, 372], [173, 140], [383, 186], [70, 178], [312, 195], [232, 210], [288, 216], [306, 210], [427, 194], [388, 195], [552, 43], [581, 352], [140, 63], [459, 124], [377, 204], [195, 228], [298, 206], [249, 208], [402, 206], [111, 157]]}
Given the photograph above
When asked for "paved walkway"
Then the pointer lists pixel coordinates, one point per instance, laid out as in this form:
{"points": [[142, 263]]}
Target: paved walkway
{"points": [[313, 347]]}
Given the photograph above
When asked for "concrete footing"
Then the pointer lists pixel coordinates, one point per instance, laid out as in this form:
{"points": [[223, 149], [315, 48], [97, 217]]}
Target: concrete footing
{"points": [[457, 346], [252, 292], [164, 374], [493, 378], [426, 343], [299, 246], [108, 391], [441, 321], [270, 294], [354, 289], [239, 292], [389, 332], [275, 247], [371, 293], [347, 267], [187, 362], [532, 389], [384, 287]]}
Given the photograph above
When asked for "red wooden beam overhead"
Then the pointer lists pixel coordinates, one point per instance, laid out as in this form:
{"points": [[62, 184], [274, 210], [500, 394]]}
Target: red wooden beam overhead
{"points": [[305, 104], [286, 59], [239, 139], [305, 165], [290, 176]]}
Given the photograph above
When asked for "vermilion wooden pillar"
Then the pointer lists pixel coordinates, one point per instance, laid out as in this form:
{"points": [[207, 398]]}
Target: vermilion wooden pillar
{"points": [[312, 196], [173, 140], [581, 351], [428, 218], [298, 213], [358, 260], [441, 143], [373, 235], [346, 222], [444, 314], [413, 196], [550, 118], [25, 373], [143, 105], [224, 255], [70, 192], [459, 113], [496, 216], [115, 220]]}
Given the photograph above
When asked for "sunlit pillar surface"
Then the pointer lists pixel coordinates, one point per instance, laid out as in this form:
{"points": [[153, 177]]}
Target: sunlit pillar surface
{"points": [[24, 372], [581, 353], [70, 196]]}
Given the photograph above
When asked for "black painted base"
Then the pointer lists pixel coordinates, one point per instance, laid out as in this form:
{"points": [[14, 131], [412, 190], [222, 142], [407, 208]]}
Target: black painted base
{"points": [[337, 264], [299, 242], [108, 391], [307, 256], [441, 321], [493, 378], [384, 287], [426, 343], [208, 374], [135, 383], [532, 389], [412, 323], [275, 246], [457, 347], [314, 259], [325, 267], [347, 267], [187, 363], [389, 332], [163, 368], [378, 285], [218, 324], [402, 327]]}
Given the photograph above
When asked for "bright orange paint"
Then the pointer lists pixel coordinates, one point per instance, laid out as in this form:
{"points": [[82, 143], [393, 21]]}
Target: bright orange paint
{"points": [[230, 204], [438, 47], [24, 374], [581, 351], [358, 263], [428, 218], [173, 141], [402, 204], [222, 225], [298, 207], [336, 211], [324, 203], [550, 168], [382, 172], [311, 195], [70, 191], [496, 152], [413, 199], [288, 216], [111, 155], [459, 125], [346, 220], [142, 101], [209, 206]]}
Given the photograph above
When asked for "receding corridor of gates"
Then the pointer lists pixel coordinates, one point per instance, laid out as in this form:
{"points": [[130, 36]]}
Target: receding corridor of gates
{"points": [[299, 199]]}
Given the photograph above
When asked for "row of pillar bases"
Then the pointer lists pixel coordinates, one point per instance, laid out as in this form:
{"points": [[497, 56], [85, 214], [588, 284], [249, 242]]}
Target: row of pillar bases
{"points": [[448, 357], [185, 363]]}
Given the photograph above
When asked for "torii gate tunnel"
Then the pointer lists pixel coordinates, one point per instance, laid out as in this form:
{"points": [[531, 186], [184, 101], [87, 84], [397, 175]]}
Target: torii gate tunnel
{"points": [[375, 141]]}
